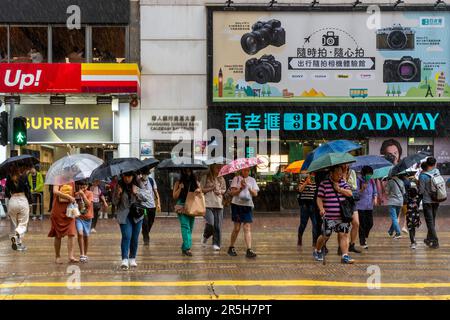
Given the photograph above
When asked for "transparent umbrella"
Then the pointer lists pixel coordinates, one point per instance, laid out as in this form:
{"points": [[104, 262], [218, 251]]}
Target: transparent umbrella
{"points": [[72, 168]]}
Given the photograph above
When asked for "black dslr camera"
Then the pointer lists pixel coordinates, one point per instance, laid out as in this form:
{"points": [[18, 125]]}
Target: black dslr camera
{"points": [[407, 69], [395, 38], [262, 35], [263, 70]]}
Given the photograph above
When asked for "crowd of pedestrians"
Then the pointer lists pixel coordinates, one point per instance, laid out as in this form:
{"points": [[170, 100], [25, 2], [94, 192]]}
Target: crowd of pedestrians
{"points": [[135, 200]]}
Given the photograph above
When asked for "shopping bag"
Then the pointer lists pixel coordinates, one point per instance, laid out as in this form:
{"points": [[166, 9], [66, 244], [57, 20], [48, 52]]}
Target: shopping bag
{"points": [[195, 204], [72, 211], [2, 211]]}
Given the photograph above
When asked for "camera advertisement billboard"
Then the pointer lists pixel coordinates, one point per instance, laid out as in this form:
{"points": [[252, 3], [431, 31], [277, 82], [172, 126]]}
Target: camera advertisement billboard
{"points": [[295, 57]]}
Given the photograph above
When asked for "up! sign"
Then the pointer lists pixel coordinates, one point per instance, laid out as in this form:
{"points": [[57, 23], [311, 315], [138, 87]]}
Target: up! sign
{"points": [[40, 77]]}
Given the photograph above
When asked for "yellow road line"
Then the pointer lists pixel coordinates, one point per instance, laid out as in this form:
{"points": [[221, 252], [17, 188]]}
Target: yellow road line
{"points": [[223, 283], [221, 297]]}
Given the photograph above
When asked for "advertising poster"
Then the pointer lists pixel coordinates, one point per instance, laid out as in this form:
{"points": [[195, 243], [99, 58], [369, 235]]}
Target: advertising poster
{"points": [[288, 57]]}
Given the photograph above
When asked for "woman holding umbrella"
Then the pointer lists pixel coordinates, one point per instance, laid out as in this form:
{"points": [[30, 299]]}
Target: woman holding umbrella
{"points": [[18, 190], [130, 214], [187, 183], [214, 187], [243, 189]]}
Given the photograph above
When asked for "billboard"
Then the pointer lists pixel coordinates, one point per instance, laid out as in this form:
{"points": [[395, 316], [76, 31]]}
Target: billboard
{"points": [[295, 57], [67, 123]]}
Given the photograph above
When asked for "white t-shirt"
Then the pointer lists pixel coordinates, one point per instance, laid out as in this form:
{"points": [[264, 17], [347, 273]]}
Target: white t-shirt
{"points": [[244, 198]]}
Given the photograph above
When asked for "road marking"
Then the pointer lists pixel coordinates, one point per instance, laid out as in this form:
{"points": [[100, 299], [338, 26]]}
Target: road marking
{"points": [[221, 297], [223, 283]]}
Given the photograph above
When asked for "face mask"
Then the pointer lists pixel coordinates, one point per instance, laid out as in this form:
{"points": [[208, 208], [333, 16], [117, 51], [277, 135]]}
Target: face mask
{"points": [[368, 177]]}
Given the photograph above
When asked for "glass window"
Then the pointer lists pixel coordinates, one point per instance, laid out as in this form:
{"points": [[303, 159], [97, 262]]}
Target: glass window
{"points": [[108, 44], [418, 144], [3, 44], [29, 44], [68, 45]]}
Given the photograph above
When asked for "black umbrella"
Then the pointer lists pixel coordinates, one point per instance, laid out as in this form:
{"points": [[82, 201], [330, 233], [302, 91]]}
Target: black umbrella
{"points": [[116, 167], [23, 160], [148, 164], [408, 162], [182, 163]]}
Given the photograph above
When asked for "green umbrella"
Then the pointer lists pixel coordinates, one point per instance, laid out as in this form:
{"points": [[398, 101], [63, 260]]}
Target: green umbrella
{"points": [[381, 172], [330, 160]]}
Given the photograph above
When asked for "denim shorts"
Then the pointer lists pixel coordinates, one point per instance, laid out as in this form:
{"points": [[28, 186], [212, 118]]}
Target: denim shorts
{"points": [[241, 214], [84, 226]]}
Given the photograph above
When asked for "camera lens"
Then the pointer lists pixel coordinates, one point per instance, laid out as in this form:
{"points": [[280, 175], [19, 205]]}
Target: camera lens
{"points": [[264, 73], [397, 39], [407, 70], [249, 43]]}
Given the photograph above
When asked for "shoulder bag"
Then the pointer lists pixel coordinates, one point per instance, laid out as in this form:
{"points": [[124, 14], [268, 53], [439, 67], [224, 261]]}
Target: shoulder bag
{"points": [[195, 204], [346, 207]]}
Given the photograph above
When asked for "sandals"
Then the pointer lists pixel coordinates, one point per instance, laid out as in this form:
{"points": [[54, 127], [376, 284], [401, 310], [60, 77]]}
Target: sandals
{"points": [[73, 260]]}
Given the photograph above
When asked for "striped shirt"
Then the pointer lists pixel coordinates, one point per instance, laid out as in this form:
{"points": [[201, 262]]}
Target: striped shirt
{"points": [[330, 199], [308, 194]]}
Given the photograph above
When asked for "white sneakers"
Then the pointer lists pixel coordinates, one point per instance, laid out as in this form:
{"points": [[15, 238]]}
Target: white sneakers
{"points": [[216, 248], [133, 263], [126, 264]]}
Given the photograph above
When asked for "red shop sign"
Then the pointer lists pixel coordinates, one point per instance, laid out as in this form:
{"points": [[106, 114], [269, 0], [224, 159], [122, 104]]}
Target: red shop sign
{"points": [[40, 78]]}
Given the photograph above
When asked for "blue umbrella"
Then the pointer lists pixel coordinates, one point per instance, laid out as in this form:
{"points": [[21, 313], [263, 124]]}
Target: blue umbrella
{"points": [[335, 146], [375, 162]]}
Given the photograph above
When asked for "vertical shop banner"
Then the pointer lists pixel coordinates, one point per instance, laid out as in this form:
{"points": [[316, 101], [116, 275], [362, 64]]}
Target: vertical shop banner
{"points": [[304, 56], [68, 123]]}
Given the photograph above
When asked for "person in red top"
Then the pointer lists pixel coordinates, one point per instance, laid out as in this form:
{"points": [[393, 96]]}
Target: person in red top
{"points": [[85, 199]]}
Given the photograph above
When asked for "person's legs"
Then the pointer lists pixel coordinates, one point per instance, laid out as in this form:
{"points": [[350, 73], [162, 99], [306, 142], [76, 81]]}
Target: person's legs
{"points": [[185, 231], [34, 198], [70, 252], [147, 224], [343, 242], [135, 231], [428, 214], [209, 224], [235, 233], [355, 228], [319, 222], [314, 222], [57, 245], [362, 226], [41, 204], [248, 235], [86, 244], [96, 211], [394, 212], [218, 220], [304, 216], [126, 230], [435, 207], [22, 218], [80, 242]]}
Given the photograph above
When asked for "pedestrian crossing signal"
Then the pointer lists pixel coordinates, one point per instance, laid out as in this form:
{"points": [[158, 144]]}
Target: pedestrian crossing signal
{"points": [[20, 131]]}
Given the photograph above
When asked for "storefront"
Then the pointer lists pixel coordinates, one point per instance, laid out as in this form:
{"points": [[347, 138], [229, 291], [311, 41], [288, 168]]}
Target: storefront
{"points": [[323, 77]]}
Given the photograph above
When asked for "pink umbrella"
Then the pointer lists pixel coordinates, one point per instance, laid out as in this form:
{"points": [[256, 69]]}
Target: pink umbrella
{"points": [[239, 164]]}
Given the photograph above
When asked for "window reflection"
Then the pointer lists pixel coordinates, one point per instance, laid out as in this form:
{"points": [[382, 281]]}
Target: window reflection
{"points": [[28, 44], [108, 44], [68, 45], [3, 44]]}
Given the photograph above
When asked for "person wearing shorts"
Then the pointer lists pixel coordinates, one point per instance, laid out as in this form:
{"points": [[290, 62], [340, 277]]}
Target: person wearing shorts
{"points": [[243, 189], [85, 200], [332, 191]]}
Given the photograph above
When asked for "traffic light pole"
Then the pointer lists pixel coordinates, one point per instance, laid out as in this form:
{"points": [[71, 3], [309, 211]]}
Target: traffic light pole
{"points": [[12, 147]]}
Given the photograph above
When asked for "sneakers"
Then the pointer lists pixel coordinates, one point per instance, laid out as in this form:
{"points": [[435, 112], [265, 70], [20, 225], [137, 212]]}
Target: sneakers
{"points": [[105, 215], [404, 230], [14, 242], [250, 253], [41, 217], [397, 236], [413, 246], [21, 247], [83, 259], [352, 248], [347, 259], [434, 245], [187, 253], [365, 246], [34, 218], [100, 215], [133, 263], [318, 256], [124, 265], [203, 241], [391, 234], [216, 248], [232, 251], [93, 230], [427, 242]]}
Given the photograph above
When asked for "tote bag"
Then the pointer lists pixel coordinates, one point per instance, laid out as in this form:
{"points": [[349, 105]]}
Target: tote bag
{"points": [[195, 204]]}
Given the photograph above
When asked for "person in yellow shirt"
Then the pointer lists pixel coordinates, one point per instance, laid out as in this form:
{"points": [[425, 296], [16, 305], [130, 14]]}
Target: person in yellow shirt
{"points": [[36, 182]]}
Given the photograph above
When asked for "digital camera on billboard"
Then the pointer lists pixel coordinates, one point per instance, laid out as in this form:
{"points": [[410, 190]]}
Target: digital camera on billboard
{"points": [[395, 38], [263, 70], [262, 35], [407, 69], [330, 39]]}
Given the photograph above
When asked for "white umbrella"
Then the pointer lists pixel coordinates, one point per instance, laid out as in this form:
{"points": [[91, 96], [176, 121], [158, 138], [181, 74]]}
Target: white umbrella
{"points": [[72, 168]]}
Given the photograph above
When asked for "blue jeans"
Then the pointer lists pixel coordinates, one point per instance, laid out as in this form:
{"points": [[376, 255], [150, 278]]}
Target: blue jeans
{"points": [[394, 211], [130, 238]]}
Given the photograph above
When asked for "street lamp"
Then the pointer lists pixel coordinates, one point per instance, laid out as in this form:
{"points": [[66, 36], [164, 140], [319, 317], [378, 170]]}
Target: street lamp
{"points": [[314, 3], [356, 3], [397, 3], [440, 3]]}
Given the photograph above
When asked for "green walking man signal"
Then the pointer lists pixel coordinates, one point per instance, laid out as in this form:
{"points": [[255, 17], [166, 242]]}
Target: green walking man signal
{"points": [[20, 131]]}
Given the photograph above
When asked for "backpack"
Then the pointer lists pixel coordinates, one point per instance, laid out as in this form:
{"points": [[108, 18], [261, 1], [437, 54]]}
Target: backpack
{"points": [[438, 188]]}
